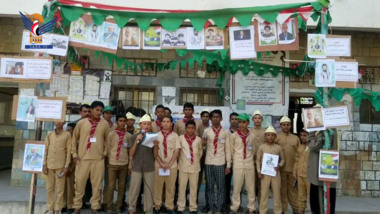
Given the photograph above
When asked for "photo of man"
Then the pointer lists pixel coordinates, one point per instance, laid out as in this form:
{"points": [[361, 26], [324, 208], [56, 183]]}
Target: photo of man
{"points": [[214, 38], [15, 68], [195, 39], [267, 34], [242, 35], [131, 38], [313, 118], [287, 32], [325, 73], [174, 39]]}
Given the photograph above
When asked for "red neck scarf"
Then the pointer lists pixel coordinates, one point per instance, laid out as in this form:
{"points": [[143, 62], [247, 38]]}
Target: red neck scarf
{"points": [[158, 123], [165, 141], [216, 131], [244, 139], [121, 134], [94, 124], [185, 119], [190, 141]]}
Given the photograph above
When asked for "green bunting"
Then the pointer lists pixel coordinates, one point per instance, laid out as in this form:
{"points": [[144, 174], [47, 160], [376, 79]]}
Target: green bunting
{"points": [[172, 21]]}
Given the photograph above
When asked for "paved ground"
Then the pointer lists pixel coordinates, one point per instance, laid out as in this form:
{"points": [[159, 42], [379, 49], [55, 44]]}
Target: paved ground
{"points": [[14, 200]]}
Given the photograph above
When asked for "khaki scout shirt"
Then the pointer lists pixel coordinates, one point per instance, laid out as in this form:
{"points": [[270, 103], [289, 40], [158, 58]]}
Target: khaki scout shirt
{"points": [[173, 144], [80, 138], [302, 159], [259, 137], [179, 127], [273, 149], [184, 163], [237, 151], [289, 143], [223, 155], [112, 143], [57, 150]]}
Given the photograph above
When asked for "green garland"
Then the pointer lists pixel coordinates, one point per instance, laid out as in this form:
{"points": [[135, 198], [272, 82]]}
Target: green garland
{"points": [[358, 94]]}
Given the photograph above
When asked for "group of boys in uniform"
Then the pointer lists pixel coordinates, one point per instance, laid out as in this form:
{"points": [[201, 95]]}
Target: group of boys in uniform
{"points": [[181, 154]]}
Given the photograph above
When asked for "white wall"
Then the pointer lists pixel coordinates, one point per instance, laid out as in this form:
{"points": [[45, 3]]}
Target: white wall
{"points": [[345, 13]]}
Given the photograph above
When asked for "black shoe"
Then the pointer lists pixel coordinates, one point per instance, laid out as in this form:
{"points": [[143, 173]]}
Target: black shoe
{"points": [[180, 212], [170, 212], [64, 210], [163, 209], [205, 209], [193, 212], [70, 211], [156, 211]]}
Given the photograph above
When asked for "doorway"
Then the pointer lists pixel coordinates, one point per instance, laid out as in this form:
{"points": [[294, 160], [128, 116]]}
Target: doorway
{"points": [[296, 103], [7, 127]]}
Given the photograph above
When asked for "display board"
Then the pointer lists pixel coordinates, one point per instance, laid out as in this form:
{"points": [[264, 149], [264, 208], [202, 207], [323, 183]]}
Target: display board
{"points": [[255, 89]]}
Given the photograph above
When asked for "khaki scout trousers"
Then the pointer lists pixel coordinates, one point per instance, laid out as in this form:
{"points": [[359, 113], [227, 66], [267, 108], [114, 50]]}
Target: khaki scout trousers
{"points": [[93, 169], [192, 178], [54, 184], [288, 192], [241, 176], [303, 192], [134, 190], [169, 182], [275, 183], [115, 173], [68, 195]]}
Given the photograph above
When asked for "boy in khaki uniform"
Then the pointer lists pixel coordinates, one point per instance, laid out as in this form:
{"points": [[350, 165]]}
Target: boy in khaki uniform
{"points": [[218, 161], [118, 158], [179, 126], [160, 113], [258, 140], [56, 165], [107, 115], [289, 143], [68, 195], [89, 150], [189, 167], [131, 123], [142, 168], [242, 152], [300, 172], [166, 154], [268, 181]]}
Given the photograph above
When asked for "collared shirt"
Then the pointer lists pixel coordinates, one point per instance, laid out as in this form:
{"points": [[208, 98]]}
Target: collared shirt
{"points": [[237, 151], [289, 143], [259, 137], [57, 150], [302, 159], [273, 149], [223, 155], [173, 144], [80, 138], [112, 144], [184, 163], [179, 127]]}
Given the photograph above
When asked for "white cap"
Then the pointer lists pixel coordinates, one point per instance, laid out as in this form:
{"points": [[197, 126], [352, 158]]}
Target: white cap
{"points": [[270, 129], [145, 118], [285, 119], [258, 112], [129, 115]]}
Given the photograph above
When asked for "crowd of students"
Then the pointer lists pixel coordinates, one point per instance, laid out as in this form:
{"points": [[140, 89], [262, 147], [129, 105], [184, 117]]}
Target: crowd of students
{"points": [[93, 150]]}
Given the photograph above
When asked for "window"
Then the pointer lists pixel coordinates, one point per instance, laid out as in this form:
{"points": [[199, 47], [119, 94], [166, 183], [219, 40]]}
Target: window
{"points": [[137, 100], [368, 115], [370, 75], [200, 97], [198, 71], [149, 70]]}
